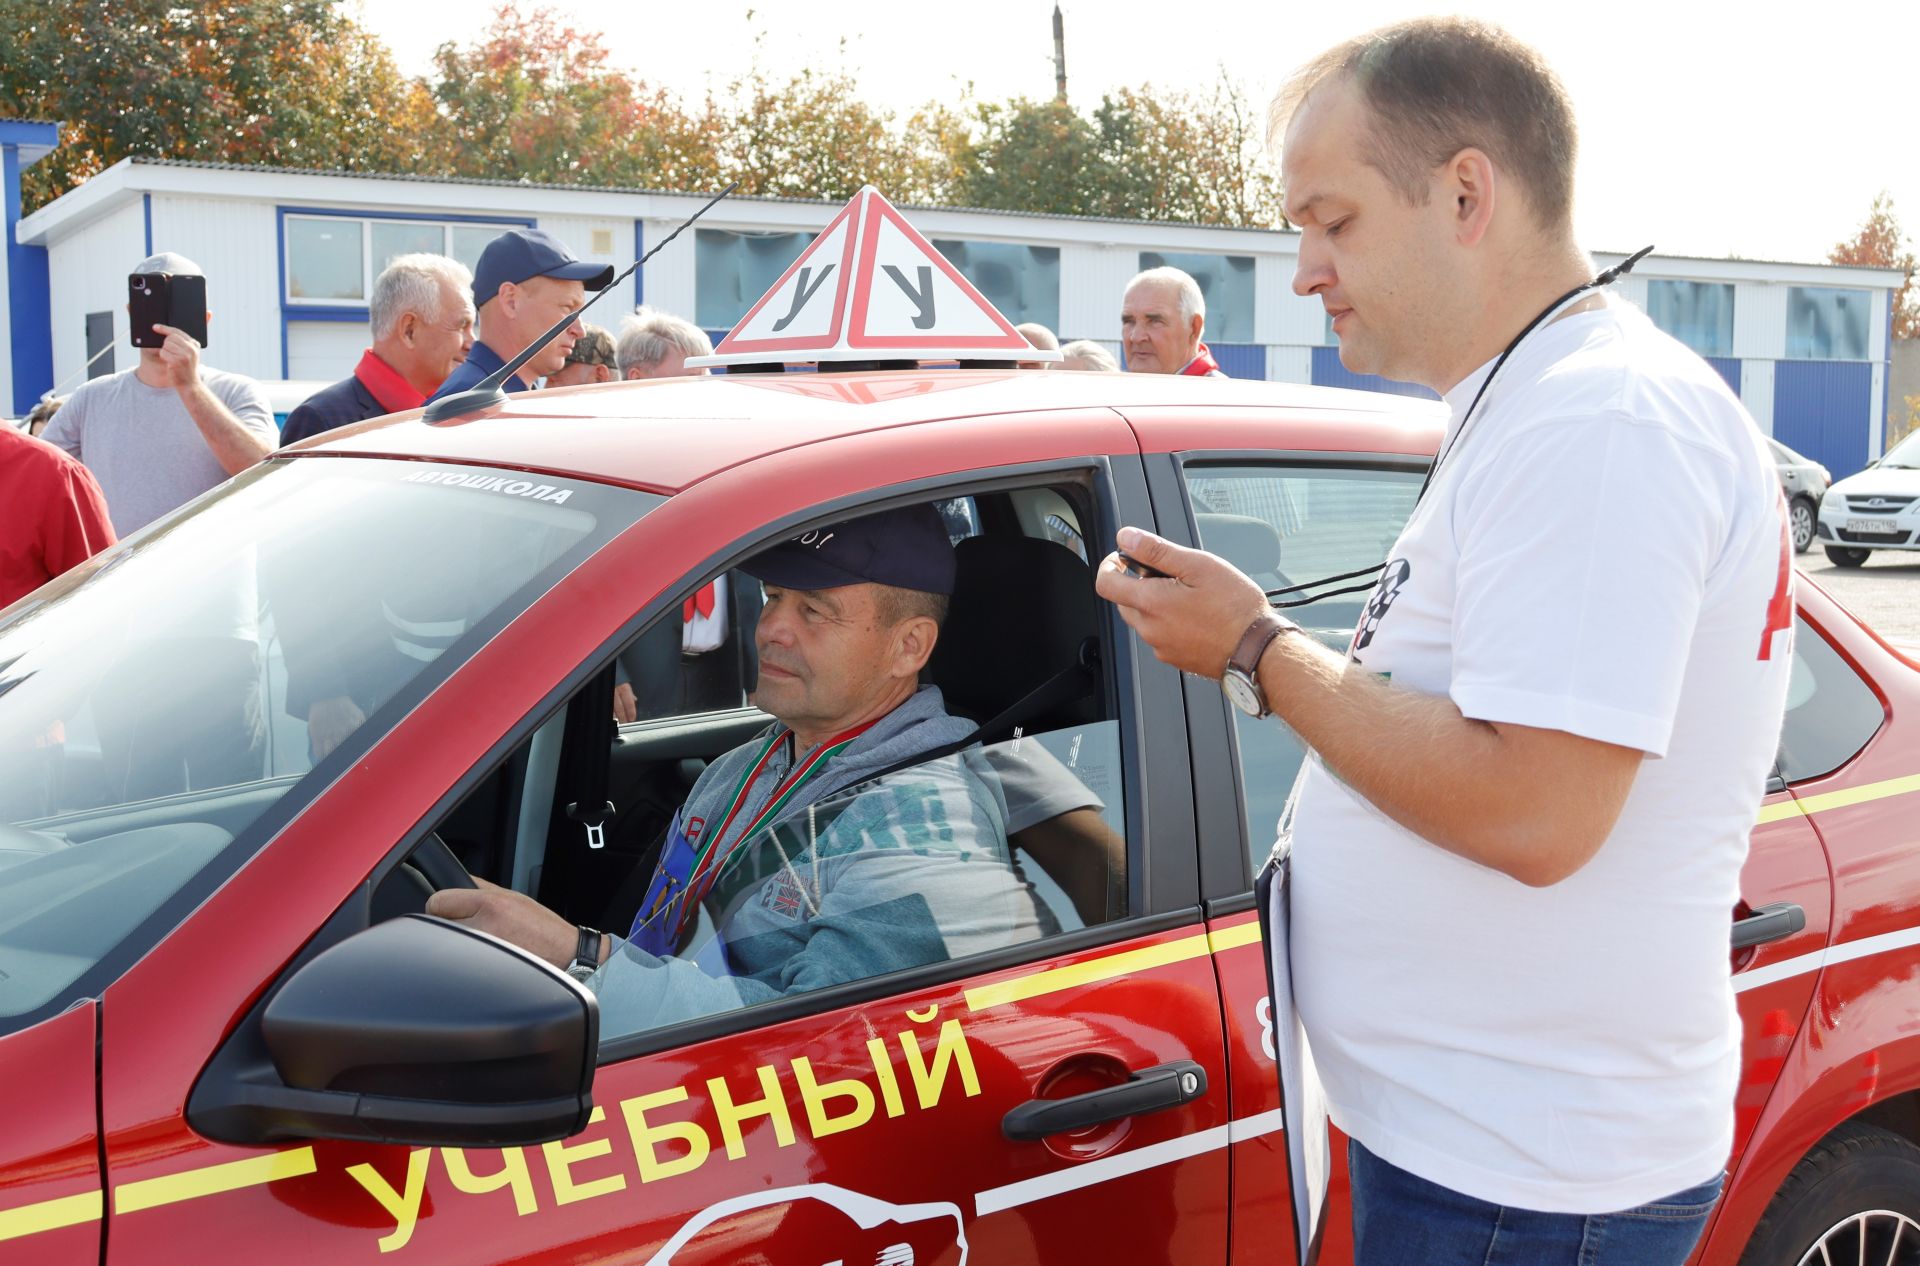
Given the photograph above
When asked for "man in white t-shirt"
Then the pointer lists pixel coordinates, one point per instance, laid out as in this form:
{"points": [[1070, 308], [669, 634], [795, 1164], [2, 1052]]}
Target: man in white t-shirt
{"points": [[1518, 848]]}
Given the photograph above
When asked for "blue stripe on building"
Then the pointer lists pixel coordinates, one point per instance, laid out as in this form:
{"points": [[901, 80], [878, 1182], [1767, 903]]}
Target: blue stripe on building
{"points": [[1821, 408], [1728, 367], [29, 293], [1329, 372], [1240, 360]]}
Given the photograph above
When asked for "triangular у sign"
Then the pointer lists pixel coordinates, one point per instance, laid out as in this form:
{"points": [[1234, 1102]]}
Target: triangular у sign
{"points": [[871, 288]]}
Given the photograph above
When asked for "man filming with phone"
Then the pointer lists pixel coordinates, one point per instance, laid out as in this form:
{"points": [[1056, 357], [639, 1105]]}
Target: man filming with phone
{"points": [[160, 434]]}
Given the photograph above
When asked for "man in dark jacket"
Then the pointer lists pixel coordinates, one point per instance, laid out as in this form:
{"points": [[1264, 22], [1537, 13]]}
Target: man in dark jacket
{"points": [[523, 284], [422, 322]]}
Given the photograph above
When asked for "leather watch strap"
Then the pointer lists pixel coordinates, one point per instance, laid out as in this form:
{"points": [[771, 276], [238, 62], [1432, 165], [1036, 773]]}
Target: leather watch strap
{"points": [[586, 950], [1254, 642]]}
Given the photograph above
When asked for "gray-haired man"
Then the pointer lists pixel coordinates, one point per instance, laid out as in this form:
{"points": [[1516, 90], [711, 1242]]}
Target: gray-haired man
{"points": [[1162, 316], [655, 344], [422, 322]]}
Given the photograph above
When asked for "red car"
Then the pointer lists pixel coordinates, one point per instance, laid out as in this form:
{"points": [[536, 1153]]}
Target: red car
{"points": [[239, 751]]}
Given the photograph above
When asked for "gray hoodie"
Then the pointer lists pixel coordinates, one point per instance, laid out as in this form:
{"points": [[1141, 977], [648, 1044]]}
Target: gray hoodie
{"points": [[848, 881]]}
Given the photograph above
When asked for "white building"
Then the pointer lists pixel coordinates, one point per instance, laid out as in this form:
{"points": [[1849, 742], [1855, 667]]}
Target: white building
{"points": [[290, 257]]}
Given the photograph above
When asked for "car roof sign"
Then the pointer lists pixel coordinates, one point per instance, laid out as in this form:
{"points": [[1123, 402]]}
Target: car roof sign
{"points": [[871, 288]]}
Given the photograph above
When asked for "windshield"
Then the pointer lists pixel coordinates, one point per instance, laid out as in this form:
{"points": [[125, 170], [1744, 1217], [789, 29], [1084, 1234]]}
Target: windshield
{"points": [[1905, 455], [160, 714]]}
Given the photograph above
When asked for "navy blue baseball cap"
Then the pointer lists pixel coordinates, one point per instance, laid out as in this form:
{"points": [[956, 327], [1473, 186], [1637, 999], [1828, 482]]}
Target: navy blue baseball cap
{"points": [[519, 254], [907, 548]]}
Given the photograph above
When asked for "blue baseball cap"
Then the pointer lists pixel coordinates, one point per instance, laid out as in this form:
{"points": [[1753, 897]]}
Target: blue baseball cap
{"points": [[907, 548], [519, 254]]}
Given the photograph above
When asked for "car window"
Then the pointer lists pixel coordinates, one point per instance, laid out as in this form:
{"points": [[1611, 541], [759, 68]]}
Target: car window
{"points": [[1290, 524], [165, 709], [947, 839], [1831, 712]]}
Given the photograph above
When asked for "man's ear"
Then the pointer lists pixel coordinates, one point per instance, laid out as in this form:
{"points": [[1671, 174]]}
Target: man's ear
{"points": [[409, 326], [913, 643], [1471, 186], [1196, 327]]}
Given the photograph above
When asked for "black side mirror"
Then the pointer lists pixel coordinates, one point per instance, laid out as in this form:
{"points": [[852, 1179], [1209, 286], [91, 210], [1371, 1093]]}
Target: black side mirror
{"points": [[414, 1031]]}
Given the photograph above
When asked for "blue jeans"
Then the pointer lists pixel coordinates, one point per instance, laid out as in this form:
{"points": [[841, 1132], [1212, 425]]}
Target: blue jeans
{"points": [[1401, 1220]]}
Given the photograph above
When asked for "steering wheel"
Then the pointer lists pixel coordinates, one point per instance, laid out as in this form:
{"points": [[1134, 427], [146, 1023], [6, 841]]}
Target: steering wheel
{"points": [[437, 864]]}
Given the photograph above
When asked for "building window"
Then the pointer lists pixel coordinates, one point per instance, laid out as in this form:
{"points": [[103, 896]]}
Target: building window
{"points": [[1698, 313], [1022, 281], [1227, 283], [1827, 324], [333, 259], [732, 270]]}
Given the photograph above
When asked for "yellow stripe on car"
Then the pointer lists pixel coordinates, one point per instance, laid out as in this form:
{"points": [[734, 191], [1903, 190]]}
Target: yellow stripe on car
{"points": [[211, 1180], [50, 1215], [1807, 806]]}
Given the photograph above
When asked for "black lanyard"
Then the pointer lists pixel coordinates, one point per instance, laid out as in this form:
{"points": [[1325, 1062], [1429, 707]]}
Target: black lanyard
{"points": [[1547, 313]]}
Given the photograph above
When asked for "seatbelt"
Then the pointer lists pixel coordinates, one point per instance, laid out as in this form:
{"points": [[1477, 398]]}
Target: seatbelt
{"points": [[1070, 683], [590, 733]]}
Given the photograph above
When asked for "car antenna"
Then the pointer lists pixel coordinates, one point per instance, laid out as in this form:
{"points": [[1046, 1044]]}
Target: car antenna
{"points": [[490, 390]]}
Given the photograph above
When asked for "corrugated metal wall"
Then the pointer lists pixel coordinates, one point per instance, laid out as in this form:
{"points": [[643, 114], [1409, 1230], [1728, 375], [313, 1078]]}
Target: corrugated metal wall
{"points": [[236, 244], [1728, 368], [89, 271], [1824, 409], [1240, 360]]}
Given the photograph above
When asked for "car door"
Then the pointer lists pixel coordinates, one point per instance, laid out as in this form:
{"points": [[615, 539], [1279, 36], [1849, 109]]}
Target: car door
{"points": [[50, 1160], [863, 1122]]}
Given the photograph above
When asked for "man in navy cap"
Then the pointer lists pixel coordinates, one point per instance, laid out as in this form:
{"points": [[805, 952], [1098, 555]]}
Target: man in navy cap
{"points": [[769, 882], [524, 283]]}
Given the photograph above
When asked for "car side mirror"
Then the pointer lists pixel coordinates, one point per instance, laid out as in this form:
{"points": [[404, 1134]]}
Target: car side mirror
{"points": [[414, 1031]]}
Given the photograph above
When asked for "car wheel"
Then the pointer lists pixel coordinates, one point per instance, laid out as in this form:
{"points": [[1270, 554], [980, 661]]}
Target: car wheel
{"points": [[1854, 1198], [1800, 517], [1842, 556]]}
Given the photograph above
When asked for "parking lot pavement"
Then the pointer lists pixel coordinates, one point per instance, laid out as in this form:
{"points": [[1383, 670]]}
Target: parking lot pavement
{"points": [[1885, 593]]}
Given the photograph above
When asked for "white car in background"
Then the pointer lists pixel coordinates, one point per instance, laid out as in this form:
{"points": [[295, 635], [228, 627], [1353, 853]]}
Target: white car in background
{"points": [[1879, 508], [1805, 483]]}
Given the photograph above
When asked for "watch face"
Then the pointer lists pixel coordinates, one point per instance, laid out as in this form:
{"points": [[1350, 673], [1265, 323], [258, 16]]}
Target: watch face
{"points": [[1242, 693]]}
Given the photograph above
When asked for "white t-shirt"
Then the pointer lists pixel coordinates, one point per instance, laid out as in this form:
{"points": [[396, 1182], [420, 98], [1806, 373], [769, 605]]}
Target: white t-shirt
{"points": [[1604, 554]]}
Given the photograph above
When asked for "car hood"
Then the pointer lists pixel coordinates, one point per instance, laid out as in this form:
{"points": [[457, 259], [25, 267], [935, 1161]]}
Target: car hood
{"points": [[1892, 483]]}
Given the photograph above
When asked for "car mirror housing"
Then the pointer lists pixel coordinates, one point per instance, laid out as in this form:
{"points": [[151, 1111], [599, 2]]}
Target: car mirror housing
{"points": [[414, 1031]]}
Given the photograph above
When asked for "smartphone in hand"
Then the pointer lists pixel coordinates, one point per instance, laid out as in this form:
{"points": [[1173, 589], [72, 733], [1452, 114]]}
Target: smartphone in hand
{"points": [[179, 300], [1134, 567]]}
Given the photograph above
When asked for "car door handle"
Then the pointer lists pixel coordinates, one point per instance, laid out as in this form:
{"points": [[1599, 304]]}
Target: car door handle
{"points": [[1769, 923], [1149, 1090]]}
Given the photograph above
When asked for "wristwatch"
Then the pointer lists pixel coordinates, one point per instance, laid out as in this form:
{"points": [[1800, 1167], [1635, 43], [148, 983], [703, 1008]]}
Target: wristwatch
{"points": [[586, 955], [1241, 681]]}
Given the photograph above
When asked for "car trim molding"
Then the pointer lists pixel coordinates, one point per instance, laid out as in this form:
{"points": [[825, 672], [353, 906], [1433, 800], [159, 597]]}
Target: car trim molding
{"points": [[212, 1180], [1094, 970]]}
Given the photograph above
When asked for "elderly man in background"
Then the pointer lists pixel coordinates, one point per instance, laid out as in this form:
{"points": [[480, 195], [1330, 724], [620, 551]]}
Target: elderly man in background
{"points": [[1041, 337], [1162, 317], [1084, 353], [656, 344], [524, 283], [158, 435], [422, 321], [590, 361]]}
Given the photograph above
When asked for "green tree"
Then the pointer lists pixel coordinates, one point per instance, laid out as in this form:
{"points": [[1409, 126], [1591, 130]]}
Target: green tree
{"points": [[285, 82], [1040, 156], [1881, 244]]}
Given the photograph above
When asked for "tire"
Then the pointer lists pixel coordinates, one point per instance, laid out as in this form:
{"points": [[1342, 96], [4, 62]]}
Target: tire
{"points": [[1801, 516], [1847, 556], [1851, 1195]]}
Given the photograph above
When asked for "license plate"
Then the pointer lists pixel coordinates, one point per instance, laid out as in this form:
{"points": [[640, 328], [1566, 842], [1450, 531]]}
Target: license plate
{"points": [[1873, 527]]}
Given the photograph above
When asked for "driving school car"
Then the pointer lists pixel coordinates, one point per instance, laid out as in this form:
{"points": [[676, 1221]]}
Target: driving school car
{"points": [[239, 751]]}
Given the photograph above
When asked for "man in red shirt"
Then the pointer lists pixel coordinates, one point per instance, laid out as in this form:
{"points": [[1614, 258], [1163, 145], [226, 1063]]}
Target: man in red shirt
{"points": [[1162, 315], [55, 517], [422, 321]]}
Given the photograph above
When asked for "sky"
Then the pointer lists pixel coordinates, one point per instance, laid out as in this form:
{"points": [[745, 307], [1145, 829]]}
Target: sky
{"points": [[1761, 130]]}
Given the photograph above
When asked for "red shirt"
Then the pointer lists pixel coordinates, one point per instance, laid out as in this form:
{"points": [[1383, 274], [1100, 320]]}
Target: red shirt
{"points": [[52, 515], [384, 383], [1203, 365]]}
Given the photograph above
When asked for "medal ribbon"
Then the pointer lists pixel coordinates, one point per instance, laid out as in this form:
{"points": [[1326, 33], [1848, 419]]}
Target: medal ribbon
{"points": [[712, 858]]}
